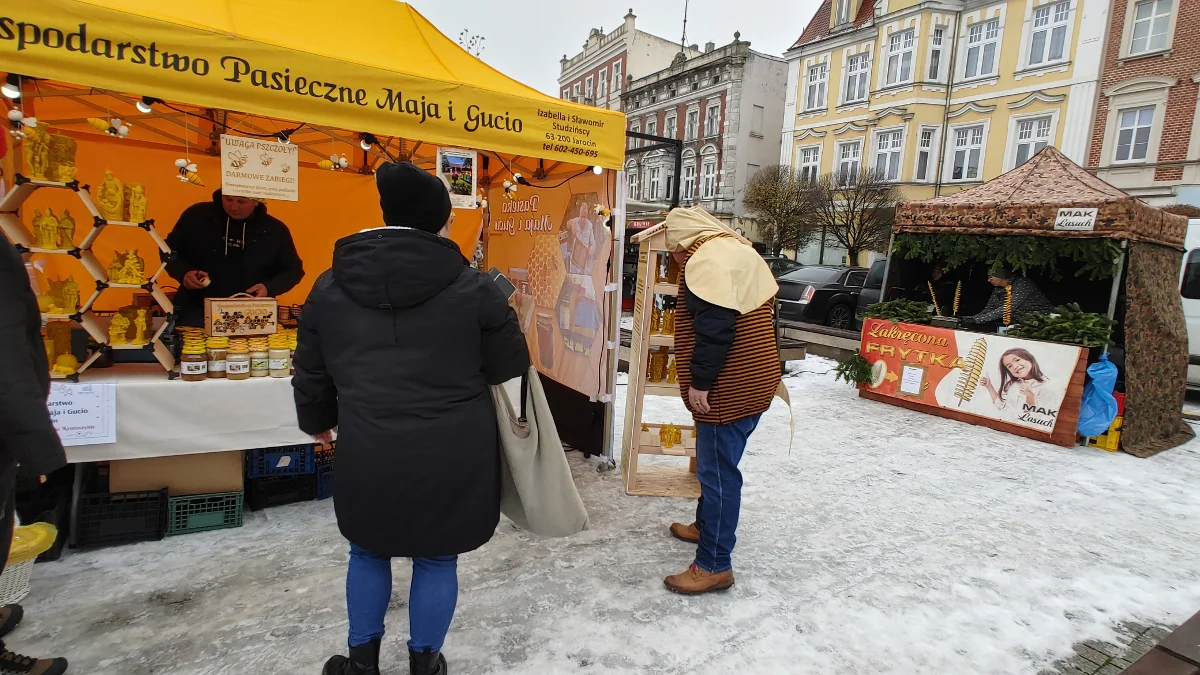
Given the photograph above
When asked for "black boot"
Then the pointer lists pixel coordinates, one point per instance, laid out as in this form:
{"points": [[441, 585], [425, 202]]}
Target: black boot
{"points": [[426, 663], [26, 665], [10, 617], [363, 660]]}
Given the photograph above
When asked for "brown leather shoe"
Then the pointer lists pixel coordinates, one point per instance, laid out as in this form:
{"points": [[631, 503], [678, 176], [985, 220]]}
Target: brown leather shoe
{"points": [[695, 581], [687, 533]]}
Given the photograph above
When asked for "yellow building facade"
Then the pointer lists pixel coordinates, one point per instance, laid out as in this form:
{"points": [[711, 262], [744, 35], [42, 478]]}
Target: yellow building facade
{"points": [[941, 96]]}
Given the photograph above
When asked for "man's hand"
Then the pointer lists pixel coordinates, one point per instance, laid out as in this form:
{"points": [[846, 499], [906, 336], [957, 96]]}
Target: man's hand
{"points": [[325, 437], [257, 290], [195, 280], [699, 400]]}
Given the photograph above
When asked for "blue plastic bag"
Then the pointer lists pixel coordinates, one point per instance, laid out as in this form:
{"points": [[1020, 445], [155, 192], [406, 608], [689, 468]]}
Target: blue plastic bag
{"points": [[1099, 408]]}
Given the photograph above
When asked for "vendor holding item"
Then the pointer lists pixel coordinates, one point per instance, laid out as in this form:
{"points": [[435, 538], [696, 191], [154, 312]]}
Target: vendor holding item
{"points": [[229, 246], [1012, 298]]}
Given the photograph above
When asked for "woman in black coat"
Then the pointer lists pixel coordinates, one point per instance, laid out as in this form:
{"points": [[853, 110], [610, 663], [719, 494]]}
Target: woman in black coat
{"points": [[398, 343]]}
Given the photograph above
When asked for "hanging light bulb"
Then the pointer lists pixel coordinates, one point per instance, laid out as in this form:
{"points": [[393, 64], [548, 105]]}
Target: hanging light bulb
{"points": [[368, 141], [145, 105], [12, 86], [597, 170]]}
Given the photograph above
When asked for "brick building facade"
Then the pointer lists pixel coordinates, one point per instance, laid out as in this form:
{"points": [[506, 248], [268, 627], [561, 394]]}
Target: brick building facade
{"points": [[1146, 139]]}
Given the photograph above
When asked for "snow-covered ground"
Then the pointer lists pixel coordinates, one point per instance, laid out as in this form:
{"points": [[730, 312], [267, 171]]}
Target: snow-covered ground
{"points": [[886, 542]]}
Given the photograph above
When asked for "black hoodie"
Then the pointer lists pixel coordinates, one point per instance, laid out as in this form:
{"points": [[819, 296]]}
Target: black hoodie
{"points": [[236, 254], [397, 346]]}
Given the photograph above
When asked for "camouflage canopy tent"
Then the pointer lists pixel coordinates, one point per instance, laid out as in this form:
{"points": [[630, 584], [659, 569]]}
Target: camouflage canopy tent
{"points": [[1025, 202]]}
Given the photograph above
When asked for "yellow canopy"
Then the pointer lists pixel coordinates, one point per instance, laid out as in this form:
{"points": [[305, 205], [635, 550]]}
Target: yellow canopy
{"points": [[369, 65]]}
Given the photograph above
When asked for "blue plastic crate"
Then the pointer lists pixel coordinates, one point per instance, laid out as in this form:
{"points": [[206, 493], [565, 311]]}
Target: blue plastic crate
{"points": [[324, 481], [293, 460]]}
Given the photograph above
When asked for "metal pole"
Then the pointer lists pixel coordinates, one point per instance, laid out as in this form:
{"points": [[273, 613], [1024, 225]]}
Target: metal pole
{"points": [[887, 266], [613, 332], [1116, 286]]}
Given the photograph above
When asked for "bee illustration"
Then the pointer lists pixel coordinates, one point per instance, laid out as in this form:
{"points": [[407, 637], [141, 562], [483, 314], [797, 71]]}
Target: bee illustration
{"points": [[266, 159], [238, 159]]}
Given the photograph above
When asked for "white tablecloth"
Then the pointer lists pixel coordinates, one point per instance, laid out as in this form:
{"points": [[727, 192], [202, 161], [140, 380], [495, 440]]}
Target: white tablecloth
{"points": [[157, 417]]}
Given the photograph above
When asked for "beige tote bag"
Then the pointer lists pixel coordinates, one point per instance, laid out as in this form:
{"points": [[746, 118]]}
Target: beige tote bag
{"points": [[536, 489]]}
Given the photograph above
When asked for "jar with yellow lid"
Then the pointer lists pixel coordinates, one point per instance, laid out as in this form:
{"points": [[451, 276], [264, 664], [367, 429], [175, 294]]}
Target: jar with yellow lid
{"points": [[218, 351], [193, 365], [237, 360], [279, 356], [260, 358]]}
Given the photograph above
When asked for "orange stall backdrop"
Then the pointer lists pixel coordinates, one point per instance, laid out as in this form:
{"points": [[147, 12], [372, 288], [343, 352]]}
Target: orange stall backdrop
{"points": [[333, 204]]}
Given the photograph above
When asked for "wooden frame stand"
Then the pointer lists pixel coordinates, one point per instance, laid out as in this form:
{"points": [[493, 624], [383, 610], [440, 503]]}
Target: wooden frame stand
{"points": [[643, 437]]}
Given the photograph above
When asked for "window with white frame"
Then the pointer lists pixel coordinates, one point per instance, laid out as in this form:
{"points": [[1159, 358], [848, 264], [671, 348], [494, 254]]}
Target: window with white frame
{"points": [[983, 41], [602, 83], [655, 182], [669, 127], [925, 159], [708, 179], [670, 184], [616, 81], [566, 94], [689, 182], [632, 179], [857, 70], [1151, 26], [693, 119], [849, 162], [900, 57], [712, 122], [843, 12], [937, 46], [810, 163], [1048, 41], [1033, 134], [889, 150], [814, 94], [590, 88], [635, 142], [652, 126], [968, 153], [578, 89], [1133, 133]]}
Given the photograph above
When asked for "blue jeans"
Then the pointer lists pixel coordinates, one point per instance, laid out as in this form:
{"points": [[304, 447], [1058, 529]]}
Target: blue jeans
{"points": [[719, 449], [431, 598]]}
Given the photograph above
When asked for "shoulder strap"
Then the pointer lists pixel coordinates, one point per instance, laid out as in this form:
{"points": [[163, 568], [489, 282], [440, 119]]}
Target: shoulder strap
{"points": [[524, 396]]}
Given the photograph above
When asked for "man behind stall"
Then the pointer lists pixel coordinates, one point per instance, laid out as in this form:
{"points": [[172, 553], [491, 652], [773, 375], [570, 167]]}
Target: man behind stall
{"points": [[1027, 298], [227, 246]]}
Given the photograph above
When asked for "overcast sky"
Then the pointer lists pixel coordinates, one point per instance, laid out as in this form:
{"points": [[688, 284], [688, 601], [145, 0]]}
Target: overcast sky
{"points": [[525, 40]]}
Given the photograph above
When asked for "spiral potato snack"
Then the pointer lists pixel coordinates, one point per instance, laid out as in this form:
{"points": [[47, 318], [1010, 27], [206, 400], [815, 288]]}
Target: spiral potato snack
{"points": [[972, 369]]}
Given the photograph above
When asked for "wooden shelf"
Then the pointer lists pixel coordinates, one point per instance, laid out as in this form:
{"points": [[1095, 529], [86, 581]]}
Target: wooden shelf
{"points": [[665, 481], [662, 340], [662, 389], [666, 289], [130, 346]]}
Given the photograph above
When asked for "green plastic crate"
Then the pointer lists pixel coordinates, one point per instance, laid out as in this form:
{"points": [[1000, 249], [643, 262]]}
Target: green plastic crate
{"points": [[201, 513]]}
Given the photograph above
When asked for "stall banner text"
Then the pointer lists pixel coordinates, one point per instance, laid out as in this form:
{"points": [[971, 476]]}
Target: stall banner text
{"points": [[91, 45], [555, 248], [259, 169], [85, 413], [1018, 382]]}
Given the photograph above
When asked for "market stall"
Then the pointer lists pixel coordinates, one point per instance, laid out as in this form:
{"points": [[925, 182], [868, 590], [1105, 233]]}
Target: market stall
{"points": [[125, 114], [1085, 244]]}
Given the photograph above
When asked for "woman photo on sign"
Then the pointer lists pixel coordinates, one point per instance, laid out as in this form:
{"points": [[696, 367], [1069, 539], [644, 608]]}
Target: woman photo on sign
{"points": [[1022, 386]]}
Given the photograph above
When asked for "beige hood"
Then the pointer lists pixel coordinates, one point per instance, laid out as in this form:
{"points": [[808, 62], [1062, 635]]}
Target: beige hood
{"points": [[725, 271]]}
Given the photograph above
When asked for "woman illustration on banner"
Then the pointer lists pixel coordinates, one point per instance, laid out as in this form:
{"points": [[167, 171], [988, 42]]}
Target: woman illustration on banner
{"points": [[1024, 389], [580, 319]]}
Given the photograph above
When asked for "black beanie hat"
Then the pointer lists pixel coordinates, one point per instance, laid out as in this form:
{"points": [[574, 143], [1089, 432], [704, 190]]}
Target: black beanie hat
{"points": [[412, 197]]}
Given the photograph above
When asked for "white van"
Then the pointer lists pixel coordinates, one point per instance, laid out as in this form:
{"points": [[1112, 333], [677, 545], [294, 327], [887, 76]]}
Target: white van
{"points": [[1189, 289]]}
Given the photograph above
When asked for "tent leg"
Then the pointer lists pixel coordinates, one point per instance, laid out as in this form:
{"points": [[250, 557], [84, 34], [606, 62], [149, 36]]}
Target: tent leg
{"points": [[1116, 287], [887, 267], [613, 329]]}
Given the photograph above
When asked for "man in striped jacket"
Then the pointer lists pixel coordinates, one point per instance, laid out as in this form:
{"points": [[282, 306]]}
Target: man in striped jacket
{"points": [[728, 366]]}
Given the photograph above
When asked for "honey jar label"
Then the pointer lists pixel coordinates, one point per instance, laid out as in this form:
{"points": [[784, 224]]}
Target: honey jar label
{"points": [[279, 364], [259, 364], [216, 366], [193, 367], [237, 367]]}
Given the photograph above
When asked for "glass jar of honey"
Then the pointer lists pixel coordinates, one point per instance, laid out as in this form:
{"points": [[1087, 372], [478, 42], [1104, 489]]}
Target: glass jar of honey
{"points": [[237, 361], [218, 350], [193, 365], [260, 359]]}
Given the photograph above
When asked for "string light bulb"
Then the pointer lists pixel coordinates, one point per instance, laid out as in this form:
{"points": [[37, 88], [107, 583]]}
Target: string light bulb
{"points": [[12, 86], [145, 105], [368, 141], [597, 169]]}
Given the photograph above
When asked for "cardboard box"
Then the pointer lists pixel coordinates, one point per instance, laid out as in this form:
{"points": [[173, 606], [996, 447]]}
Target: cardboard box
{"points": [[235, 317], [181, 475]]}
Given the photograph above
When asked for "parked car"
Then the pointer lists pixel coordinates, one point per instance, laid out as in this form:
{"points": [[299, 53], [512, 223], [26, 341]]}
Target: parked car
{"points": [[1189, 290], [780, 265], [822, 294], [872, 291]]}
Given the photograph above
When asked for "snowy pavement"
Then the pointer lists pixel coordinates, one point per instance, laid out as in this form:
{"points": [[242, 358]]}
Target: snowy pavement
{"points": [[886, 542]]}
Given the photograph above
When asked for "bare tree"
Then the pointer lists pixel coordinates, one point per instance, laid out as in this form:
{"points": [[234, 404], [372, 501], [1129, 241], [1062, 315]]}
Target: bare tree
{"points": [[472, 43], [777, 195], [855, 209]]}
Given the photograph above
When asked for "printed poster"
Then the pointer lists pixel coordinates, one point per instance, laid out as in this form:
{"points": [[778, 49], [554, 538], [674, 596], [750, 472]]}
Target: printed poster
{"points": [[84, 413], [1020, 382], [555, 248], [259, 169], [457, 167]]}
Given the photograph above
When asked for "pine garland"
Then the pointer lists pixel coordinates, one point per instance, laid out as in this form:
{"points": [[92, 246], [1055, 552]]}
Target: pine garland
{"points": [[1008, 305], [957, 297], [933, 295]]}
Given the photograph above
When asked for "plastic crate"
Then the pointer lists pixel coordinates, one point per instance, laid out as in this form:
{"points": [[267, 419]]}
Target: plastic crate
{"points": [[116, 518], [324, 481], [292, 460], [279, 490], [201, 513], [323, 454]]}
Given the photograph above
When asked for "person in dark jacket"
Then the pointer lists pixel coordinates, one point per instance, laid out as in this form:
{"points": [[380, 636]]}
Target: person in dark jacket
{"points": [[1026, 298], [228, 246], [28, 441], [398, 344]]}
